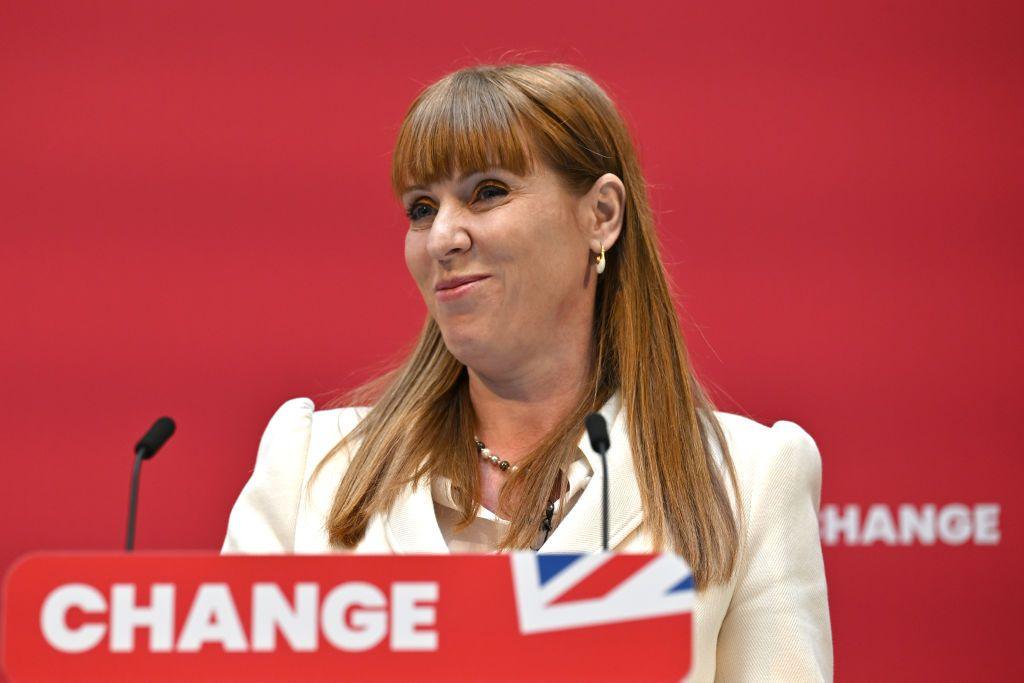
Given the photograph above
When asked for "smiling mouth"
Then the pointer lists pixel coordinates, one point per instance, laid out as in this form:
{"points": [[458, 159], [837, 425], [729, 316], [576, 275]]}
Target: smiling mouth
{"points": [[447, 290], [456, 282]]}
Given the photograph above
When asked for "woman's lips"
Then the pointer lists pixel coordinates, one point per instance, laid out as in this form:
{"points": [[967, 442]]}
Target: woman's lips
{"points": [[455, 288]]}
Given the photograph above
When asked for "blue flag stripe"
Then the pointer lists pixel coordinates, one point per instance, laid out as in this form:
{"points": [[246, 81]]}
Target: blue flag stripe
{"points": [[552, 565], [684, 585]]}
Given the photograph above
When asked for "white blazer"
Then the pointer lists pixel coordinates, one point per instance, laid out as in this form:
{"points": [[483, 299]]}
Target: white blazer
{"points": [[769, 623]]}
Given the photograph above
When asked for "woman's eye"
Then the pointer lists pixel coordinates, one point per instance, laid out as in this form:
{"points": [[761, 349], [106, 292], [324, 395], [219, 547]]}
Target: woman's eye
{"points": [[414, 213], [491, 192], [421, 209]]}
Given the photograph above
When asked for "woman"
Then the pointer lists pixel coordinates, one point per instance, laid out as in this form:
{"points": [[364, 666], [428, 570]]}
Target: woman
{"points": [[533, 245]]}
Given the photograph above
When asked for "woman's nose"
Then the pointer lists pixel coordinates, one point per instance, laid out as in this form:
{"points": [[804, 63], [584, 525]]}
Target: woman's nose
{"points": [[448, 233]]}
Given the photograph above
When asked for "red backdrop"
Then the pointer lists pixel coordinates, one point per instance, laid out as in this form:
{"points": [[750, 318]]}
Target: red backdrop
{"points": [[196, 222]]}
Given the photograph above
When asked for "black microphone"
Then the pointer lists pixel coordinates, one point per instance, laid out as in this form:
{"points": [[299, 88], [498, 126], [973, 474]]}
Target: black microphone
{"points": [[145, 449], [597, 430], [161, 430]]}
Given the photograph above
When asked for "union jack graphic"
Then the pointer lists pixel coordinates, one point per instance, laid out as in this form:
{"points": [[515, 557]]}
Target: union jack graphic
{"points": [[558, 592]]}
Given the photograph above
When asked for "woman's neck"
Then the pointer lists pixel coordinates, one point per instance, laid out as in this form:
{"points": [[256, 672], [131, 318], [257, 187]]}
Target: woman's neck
{"points": [[514, 413]]}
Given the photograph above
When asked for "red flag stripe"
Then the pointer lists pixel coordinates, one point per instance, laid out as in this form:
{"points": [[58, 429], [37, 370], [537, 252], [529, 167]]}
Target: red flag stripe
{"points": [[605, 578]]}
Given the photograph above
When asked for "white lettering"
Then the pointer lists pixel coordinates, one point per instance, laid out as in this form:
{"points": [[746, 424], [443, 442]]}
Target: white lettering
{"points": [[271, 611], [126, 616], [53, 617], [986, 524], [353, 616], [835, 524], [955, 524], [407, 613], [917, 524], [878, 526], [212, 619], [907, 524]]}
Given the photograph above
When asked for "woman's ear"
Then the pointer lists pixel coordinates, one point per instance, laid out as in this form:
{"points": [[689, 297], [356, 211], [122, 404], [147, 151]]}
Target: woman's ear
{"points": [[605, 205]]}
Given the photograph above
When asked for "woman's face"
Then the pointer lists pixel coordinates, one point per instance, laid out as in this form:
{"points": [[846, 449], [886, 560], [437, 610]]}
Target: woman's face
{"points": [[504, 263]]}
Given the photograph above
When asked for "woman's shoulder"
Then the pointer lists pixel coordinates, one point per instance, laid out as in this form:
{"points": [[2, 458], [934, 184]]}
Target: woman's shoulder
{"points": [[779, 592], [769, 457], [298, 425], [300, 414], [297, 437]]}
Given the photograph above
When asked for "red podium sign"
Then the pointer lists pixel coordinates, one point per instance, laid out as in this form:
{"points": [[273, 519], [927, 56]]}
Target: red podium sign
{"points": [[198, 617]]}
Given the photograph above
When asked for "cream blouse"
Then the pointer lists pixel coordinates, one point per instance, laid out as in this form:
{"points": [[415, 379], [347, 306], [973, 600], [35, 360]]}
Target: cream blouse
{"points": [[486, 530]]}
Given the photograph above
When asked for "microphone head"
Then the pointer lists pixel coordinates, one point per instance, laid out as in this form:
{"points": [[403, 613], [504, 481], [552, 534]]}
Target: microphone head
{"points": [[597, 430], [155, 437]]}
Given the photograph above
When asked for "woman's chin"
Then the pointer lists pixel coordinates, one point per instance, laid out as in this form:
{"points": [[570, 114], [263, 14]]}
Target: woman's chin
{"points": [[466, 343]]}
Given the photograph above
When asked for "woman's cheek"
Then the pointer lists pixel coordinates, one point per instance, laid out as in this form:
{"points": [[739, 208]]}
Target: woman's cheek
{"points": [[416, 258]]}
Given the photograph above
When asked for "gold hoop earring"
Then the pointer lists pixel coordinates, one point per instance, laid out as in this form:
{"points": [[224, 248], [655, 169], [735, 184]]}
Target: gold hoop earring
{"points": [[600, 261]]}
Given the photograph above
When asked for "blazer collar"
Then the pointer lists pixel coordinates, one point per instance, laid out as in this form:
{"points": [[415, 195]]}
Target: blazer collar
{"points": [[580, 531], [411, 525]]}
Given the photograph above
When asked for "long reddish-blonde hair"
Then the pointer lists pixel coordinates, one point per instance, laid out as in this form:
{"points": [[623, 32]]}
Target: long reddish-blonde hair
{"points": [[422, 423]]}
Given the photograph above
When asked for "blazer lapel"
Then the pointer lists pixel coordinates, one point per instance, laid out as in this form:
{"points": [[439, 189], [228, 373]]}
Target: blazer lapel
{"points": [[580, 531], [411, 525]]}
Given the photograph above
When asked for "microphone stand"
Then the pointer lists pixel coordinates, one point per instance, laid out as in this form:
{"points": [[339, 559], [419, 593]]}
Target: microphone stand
{"points": [[133, 499], [145, 449], [597, 430], [604, 500]]}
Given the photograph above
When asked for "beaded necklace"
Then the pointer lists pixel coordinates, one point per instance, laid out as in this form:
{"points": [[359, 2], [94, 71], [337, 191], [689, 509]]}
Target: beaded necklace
{"points": [[486, 454], [506, 466]]}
